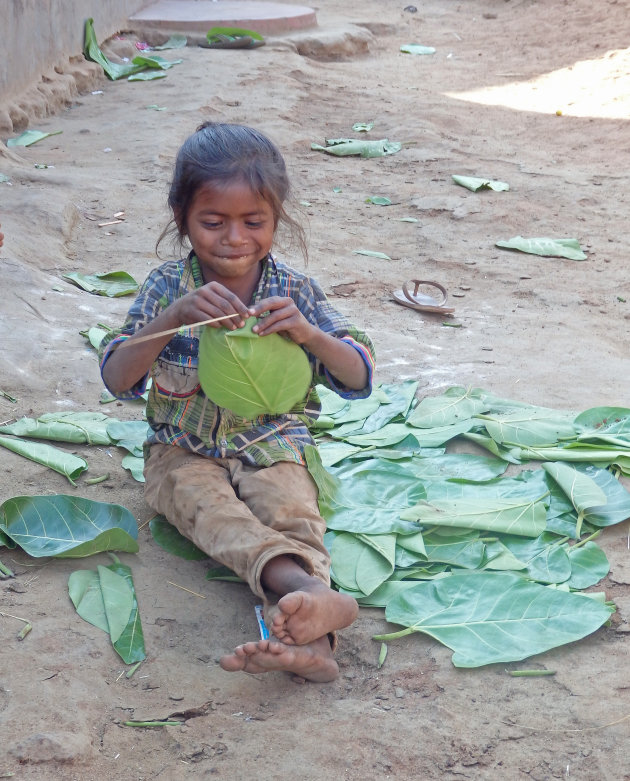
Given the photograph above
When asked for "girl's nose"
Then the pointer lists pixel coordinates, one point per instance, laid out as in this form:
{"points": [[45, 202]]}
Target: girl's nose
{"points": [[234, 233]]}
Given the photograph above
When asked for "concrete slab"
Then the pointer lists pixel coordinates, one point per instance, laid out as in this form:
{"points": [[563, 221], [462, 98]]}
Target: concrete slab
{"points": [[198, 16]]}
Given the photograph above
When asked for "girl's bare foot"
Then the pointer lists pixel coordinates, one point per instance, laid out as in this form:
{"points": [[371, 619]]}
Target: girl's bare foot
{"points": [[302, 616], [313, 661]]}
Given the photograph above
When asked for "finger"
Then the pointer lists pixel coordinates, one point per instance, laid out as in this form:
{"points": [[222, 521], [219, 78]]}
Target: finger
{"points": [[269, 305], [278, 321], [224, 302]]}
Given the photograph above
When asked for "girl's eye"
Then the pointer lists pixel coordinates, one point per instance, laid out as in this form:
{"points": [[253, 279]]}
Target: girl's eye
{"points": [[211, 225], [251, 224]]}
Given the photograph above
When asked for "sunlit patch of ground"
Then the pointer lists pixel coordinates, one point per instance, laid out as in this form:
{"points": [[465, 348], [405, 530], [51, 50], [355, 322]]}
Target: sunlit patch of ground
{"points": [[589, 88]]}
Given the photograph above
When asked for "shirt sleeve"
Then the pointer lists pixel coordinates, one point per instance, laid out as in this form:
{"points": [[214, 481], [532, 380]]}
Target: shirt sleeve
{"points": [[154, 296], [328, 319]]}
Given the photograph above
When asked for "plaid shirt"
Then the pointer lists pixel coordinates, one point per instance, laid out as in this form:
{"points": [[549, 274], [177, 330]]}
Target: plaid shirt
{"points": [[178, 411]]}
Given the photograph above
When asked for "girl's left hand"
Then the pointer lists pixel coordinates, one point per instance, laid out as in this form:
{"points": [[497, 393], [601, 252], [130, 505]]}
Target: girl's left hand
{"points": [[284, 318]]}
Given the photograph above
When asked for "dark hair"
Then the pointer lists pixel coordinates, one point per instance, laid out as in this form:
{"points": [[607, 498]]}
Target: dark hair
{"points": [[217, 153]]}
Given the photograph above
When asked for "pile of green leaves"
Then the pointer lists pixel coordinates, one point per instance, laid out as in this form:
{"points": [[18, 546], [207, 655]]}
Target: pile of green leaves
{"points": [[143, 67], [91, 428], [106, 598], [61, 526], [491, 564]]}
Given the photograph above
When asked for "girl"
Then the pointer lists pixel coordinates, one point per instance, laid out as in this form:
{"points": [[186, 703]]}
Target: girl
{"points": [[238, 488]]}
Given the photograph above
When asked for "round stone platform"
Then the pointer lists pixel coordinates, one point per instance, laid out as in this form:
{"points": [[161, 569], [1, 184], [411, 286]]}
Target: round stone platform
{"points": [[198, 16]]}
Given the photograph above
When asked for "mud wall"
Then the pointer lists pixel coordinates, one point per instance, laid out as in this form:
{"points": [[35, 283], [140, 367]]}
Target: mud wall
{"points": [[41, 65]]}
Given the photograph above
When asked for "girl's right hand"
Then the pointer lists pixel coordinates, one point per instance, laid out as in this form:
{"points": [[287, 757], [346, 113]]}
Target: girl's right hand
{"points": [[212, 301]]}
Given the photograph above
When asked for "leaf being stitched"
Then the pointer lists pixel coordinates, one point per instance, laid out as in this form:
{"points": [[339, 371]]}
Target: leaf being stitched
{"points": [[252, 375]]}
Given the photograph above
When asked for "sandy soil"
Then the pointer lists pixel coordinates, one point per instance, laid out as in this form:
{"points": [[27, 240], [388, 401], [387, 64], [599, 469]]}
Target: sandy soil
{"points": [[532, 93]]}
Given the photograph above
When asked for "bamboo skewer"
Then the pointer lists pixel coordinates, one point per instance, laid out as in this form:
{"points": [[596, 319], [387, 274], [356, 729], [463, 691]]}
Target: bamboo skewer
{"points": [[175, 330]]}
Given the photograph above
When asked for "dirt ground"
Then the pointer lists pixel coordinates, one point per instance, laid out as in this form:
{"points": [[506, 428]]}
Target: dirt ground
{"points": [[534, 93]]}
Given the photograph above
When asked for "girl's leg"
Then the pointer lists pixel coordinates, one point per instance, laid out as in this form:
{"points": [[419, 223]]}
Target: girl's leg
{"points": [[197, 496], [284, 497]]}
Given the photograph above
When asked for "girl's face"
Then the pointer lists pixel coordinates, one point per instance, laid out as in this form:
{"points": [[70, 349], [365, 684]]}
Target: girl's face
{"points": [[231, 230]]}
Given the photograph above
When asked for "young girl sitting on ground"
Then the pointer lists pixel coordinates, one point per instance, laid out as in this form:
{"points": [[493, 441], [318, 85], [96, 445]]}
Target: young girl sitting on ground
{"points": [[239, 488]]}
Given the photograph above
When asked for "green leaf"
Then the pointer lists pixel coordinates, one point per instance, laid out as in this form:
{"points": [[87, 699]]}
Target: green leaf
{"points": [[149, 75], [511, 455], [135, 465], [371, 254], [499, 557], [467, 553], [130, 644], [84, 588], [530, 427], [344, 147], [416, 48], [67, 464], [223, 573], [154, 61], [378, 200], [107, 599], [523, 517], [333, 452], [616, 508], [370, 501], [414, 543], [130, 434], [232, 32], [92, 52], [554, 248], [169, 538], [382, 595], [395, 401], [29, 137], [67, 526], [454, 405], [117, 599], [96, 334], [111, 284], [252, 375], [456, 466], [588, 565], [475, 184], [610, 425], [362, 562], [582, 492], [393, 433], [494, 617], [78, 427], [545, 561], [362, 127]]}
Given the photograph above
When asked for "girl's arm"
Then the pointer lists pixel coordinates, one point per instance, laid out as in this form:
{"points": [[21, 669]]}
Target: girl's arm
{"points": [[339, 357], [130, 360]]}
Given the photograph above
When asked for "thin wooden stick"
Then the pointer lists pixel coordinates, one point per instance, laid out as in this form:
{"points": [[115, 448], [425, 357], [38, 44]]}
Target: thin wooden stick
{"points": [[175, 330], [183, 588]]}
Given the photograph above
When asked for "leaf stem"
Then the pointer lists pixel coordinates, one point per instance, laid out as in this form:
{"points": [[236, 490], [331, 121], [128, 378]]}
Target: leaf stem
{"points": [[394, 635], [95, 480], [130, 672], [586, 539], [5, 572]]}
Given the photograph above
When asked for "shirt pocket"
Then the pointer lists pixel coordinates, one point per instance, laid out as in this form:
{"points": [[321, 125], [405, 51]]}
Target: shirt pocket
{"points": [[174, 380]]}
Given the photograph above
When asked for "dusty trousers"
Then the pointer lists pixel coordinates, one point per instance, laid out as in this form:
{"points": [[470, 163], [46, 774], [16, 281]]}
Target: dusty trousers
{"points": [[242, 516]]}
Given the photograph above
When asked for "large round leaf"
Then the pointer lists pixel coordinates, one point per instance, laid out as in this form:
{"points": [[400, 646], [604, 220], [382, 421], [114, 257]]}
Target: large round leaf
{"points": [[494, 617], [252, 375]]}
